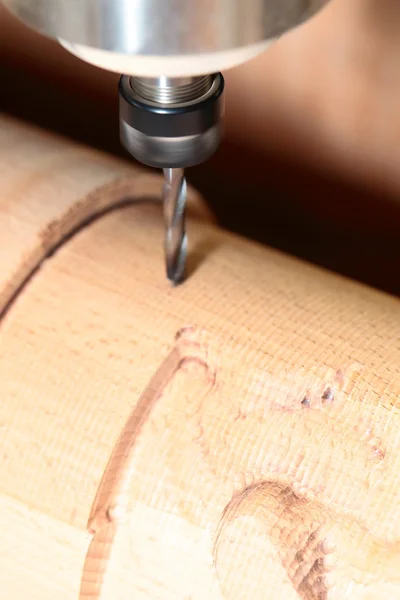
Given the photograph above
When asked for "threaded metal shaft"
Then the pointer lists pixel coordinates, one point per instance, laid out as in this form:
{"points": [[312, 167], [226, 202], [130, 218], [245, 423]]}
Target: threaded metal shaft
{"points": [[174, 214], [167, 90]]}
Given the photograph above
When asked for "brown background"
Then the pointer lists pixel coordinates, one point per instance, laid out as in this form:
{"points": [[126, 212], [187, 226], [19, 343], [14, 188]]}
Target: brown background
{"points": [[310, 163]]}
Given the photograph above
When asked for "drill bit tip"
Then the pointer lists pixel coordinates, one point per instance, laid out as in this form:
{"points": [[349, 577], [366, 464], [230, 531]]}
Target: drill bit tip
{"points": [[175, 193]]}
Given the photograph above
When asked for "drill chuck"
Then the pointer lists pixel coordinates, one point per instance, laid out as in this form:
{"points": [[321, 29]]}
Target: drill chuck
{"points": [[171, 122]]}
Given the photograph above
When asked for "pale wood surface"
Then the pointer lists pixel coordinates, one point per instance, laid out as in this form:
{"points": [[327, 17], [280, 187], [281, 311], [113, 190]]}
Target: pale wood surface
{"points": [[51, 187], [260, 401]]}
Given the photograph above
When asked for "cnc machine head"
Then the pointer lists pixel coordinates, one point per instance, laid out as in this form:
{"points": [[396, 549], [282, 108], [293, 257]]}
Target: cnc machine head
{"points": [[171, 53]]}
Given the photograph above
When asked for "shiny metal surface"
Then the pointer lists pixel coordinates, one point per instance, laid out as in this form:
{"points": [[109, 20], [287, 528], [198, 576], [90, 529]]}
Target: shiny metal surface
{"points": [[164, 27], [173, 134], [171, 91], [160, 151], [174, 216]]}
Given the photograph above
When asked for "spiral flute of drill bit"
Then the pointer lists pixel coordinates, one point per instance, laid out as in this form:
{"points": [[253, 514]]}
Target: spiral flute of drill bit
{"points": [[175, 193]]}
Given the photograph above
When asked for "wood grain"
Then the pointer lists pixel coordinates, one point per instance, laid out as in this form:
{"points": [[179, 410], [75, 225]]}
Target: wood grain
{"points": [[235, 437], [52, 189]]}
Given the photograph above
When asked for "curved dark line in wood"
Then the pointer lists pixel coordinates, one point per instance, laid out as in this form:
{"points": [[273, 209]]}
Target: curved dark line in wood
{"points": [[123, 202]]}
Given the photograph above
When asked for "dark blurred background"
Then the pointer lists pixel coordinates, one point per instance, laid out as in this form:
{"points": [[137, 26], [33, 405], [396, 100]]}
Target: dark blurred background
{"points": [[310, 163]]}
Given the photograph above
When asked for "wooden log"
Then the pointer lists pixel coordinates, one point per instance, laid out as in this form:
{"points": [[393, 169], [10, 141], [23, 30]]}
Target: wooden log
{"points": [[235, 437]]}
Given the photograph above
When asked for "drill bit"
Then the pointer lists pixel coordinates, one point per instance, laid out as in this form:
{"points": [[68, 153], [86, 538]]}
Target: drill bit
{"points": [[174, 215]]}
